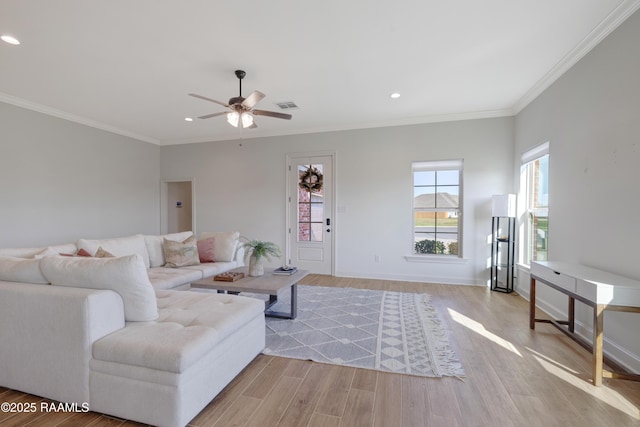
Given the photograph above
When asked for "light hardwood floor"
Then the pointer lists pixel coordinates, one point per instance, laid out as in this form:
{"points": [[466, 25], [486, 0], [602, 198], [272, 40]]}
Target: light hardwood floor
{"points": [[514, 377]]}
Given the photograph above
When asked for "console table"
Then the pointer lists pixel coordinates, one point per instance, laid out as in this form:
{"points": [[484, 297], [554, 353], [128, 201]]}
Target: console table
{"points": [[595, 288]]}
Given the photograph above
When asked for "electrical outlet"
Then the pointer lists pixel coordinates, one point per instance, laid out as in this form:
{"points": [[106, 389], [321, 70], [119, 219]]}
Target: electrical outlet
{"points": [[376, 258]]}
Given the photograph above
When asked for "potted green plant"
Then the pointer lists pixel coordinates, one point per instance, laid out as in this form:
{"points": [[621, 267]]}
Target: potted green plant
{"points": [[256, 250]]}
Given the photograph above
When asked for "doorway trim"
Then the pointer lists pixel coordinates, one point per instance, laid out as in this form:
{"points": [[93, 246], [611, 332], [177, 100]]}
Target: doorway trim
{"points": [[164, 203], [290, 158]]}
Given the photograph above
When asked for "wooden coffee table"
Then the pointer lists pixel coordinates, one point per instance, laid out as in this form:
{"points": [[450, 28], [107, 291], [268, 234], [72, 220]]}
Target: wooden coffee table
{"points": [[268, 284]]}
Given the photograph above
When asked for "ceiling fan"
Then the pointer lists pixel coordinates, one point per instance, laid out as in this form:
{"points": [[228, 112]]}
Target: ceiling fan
{"points": [[242, 110]]}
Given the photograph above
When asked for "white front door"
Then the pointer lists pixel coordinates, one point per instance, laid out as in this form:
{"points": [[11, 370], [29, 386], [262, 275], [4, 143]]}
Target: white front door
{"points": [[310, 213]]}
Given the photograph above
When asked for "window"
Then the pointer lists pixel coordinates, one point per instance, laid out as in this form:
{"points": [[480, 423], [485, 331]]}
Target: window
{"points": [[534, 190], [437, 214]]}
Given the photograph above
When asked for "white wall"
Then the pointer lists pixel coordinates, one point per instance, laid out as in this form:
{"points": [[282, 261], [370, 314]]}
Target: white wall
{"points": [[60, 181], [591, 116], [241, 185]]}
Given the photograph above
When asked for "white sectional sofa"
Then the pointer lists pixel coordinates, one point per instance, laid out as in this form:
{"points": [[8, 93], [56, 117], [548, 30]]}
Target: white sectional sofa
{"points": [[97, 332], [227, 252]]}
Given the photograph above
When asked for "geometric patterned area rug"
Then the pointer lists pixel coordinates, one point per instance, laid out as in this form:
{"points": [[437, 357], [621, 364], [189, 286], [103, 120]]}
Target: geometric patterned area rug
{"points": [[382, 330]]}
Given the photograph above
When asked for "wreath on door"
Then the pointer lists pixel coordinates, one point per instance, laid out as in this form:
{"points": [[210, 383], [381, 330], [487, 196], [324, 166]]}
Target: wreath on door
{"points": [[311, 180]]}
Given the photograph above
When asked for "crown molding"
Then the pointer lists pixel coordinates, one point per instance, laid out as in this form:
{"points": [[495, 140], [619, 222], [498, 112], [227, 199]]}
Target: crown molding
{"points": [[23, 103], [602, 30]]}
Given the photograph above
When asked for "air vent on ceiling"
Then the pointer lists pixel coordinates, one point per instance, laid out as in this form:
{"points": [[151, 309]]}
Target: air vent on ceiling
{"points": [[289, 105]]}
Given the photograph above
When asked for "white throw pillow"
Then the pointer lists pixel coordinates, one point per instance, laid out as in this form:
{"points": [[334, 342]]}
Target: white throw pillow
{"points": [[225, 244], [125, 275], [33, 252], [24, 270], [155, 249], [46, 252], [120, 246]]}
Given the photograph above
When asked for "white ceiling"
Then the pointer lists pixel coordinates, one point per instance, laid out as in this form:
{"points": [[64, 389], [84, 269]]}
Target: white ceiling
{"points": [[127, 66]]}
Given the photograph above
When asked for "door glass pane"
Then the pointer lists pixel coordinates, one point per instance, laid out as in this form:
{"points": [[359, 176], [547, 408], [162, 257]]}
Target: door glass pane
{"points": [[310, 203], [304, 232], [316, 232], [317, 212]]}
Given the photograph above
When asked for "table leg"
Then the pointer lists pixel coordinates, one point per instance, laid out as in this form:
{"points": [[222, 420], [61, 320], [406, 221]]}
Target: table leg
{"points": [[294, 301], [572, 314], [532, 304], [598, 340], [280, 315]]}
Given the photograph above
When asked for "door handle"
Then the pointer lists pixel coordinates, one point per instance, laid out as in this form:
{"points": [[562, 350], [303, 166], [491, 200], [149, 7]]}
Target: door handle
{"points": [[328, 221]]}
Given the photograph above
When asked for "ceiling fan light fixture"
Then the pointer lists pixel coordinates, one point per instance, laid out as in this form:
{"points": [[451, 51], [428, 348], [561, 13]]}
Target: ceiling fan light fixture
{"points": [[247, 120], [242, 110], [233, 118]]}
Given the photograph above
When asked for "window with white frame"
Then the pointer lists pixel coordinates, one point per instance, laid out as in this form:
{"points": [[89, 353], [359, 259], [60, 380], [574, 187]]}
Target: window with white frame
{"points": [[437, 207], [534, 191]]}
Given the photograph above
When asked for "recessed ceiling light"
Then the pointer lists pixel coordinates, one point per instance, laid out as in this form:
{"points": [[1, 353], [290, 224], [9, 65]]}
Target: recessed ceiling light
{"points": [[188, 119], [395, 95], [9, 39]]}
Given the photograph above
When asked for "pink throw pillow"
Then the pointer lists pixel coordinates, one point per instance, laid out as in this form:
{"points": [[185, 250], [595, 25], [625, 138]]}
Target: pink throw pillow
{"points": [[205, 250], [83, 252]]}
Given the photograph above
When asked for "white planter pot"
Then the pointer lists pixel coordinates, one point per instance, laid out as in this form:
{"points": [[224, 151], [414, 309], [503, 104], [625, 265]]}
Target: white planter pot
{"points": [[256, 268]]}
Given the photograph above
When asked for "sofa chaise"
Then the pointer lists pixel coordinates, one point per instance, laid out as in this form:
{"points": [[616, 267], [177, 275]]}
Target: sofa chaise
{"points": [[96, 332]]}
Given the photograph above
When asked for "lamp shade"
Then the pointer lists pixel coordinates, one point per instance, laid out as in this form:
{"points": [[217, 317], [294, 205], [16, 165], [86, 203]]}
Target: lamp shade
{"points": [[503, 205], [247, 120], [233, 118]]}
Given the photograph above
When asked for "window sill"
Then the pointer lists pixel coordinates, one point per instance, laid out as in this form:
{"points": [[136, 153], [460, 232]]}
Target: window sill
{"points": [[440, 259]]}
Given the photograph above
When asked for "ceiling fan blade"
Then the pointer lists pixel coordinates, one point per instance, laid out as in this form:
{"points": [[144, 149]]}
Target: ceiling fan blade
{"points": [[208, 116], [253, 99], [272, 114], [253, 126], [208, 99]]}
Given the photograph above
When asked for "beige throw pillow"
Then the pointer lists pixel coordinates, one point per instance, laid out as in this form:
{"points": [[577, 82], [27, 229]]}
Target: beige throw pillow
{"points": [[101, 253], [155, 244], [180, 254]]}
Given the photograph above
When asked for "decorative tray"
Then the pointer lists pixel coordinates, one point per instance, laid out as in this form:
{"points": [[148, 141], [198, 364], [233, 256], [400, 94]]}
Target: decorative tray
{"points": [[229, 276]]}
